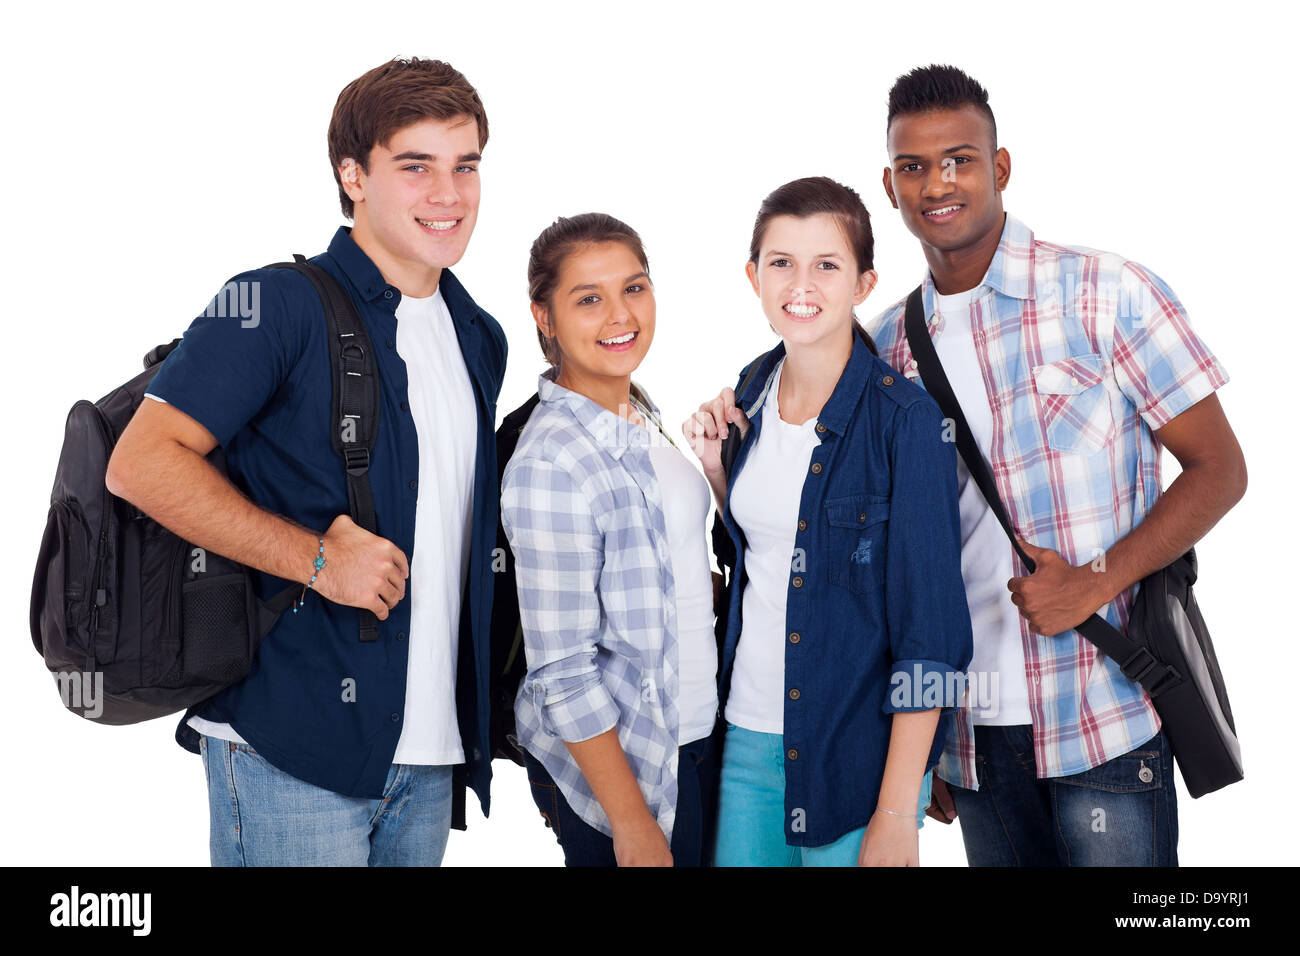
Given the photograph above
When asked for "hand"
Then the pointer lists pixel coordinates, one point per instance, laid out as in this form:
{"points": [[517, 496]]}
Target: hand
{"points": [[641, 843], [362, 569], [707, 427], [890, 840], [942, 807], [1057, 596]]}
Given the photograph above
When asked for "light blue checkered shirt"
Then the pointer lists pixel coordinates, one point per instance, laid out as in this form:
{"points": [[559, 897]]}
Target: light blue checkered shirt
{"points": [[583, 512]]}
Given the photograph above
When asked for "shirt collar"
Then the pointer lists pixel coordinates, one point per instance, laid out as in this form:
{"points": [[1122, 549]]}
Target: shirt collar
{"points": [[610, 432], [838, 410], [1011, 272], [371, 285]]}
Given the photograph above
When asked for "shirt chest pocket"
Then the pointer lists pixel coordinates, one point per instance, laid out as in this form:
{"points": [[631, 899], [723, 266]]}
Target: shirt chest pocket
{"points": [[1074, 405], [858, 534]]}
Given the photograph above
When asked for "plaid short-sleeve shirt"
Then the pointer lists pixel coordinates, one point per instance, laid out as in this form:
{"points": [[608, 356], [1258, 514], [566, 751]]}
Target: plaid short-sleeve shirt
{"points": [[583, 511], [1083, 354]]}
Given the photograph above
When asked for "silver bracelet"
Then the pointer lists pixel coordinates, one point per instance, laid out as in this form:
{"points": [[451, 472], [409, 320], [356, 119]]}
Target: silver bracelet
{"points": [[891, 812]]}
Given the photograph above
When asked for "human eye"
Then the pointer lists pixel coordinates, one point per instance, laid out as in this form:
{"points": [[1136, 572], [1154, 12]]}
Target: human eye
{"points": [[909, 167], [828, 264], [779, 263], [466, 169], [589, 300], [635, 287]]}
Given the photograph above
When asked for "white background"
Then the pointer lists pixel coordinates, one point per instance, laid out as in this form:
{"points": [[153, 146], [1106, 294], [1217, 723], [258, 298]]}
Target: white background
{"points": [[152, 152]]}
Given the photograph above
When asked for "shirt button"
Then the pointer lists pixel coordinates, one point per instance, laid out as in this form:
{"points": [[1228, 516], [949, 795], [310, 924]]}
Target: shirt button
{"points": [[394, 717], [411, 485], [817, 468], [803, 525], [887, 380], [794, 637], [388, 342], [388, 293], [1074, 381], [794, 693], [862, 518], [401, 635], [792, 754], [821, 429], [405, 406], [797, 582]]}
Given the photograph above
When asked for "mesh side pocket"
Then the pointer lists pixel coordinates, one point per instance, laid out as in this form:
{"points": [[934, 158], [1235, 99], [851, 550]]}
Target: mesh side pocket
{"points": [[214, 630]]}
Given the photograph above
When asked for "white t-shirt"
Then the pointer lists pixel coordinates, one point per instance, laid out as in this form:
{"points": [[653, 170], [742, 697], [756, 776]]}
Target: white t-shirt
{"points": [[686, 501], [442, 407], [765, 503], [986, 554]]}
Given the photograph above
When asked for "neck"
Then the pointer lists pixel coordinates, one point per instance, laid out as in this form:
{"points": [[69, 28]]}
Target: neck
{"points": [[610, 393], [811, 373], [956, 270], [414, 279]]}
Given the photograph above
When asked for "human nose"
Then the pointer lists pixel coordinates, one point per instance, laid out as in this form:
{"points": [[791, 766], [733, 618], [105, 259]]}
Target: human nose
{"points": [[442, 190], [939, 182]]}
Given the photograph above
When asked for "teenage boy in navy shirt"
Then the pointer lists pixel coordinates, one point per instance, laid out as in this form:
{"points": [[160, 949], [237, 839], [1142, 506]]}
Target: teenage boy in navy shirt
{"points": [[337, 750]]}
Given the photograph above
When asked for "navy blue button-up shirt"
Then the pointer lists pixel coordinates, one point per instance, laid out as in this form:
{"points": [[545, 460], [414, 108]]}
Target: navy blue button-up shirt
{"points": [[261, 384], [876, 615]]}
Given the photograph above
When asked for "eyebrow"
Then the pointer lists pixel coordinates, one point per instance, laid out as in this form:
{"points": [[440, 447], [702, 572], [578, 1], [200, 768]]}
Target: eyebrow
{"points": [[429, 157], [951, 149], [592, 286], [820, 255]]}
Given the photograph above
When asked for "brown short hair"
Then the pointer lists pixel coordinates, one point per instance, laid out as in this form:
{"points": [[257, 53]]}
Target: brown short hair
{"points": [[556, 243], [390, 98]]}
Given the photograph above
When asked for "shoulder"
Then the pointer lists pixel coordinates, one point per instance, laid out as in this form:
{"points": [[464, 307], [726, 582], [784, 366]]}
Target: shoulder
{"points": [[554, 441], [889, 386], [886, 330]]}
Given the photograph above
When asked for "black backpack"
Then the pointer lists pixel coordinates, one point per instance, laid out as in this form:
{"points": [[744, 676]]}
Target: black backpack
{"points": [[507, 641], [133, 621]]}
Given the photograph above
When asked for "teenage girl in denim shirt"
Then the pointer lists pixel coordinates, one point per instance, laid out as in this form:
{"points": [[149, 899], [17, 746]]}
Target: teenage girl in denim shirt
{"points": [[607, 522], [848, 628]]}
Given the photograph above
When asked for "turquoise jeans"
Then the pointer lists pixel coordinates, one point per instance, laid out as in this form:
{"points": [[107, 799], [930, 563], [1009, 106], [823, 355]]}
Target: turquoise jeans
{"points": [[751, 809]]}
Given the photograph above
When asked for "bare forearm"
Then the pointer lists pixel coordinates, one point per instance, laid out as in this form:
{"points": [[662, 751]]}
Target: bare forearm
{"points": [[910, 739], [604, 765], [180, 490]]}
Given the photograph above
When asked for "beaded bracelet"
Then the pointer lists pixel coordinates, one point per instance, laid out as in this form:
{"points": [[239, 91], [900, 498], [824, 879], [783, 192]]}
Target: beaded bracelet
{"points": [[316, 565]]}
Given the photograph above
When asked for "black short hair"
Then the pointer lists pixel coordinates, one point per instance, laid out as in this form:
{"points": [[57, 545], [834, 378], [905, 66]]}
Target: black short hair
{"points": [[937, 87]]}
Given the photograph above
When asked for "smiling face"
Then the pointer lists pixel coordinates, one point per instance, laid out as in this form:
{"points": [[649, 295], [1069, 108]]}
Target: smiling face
{"points": [[416, 207], [807, 278], [602, 314], [946, 178]]}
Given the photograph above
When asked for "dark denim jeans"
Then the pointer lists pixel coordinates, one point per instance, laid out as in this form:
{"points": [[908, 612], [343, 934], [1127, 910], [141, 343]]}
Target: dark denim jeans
{"points": [[697, 807], [1121, 813]]}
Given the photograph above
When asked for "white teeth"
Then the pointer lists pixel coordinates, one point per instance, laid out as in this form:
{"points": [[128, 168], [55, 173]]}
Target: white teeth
{"points": [[943, 211], [618, 339], [802, 310], [438, 225]]}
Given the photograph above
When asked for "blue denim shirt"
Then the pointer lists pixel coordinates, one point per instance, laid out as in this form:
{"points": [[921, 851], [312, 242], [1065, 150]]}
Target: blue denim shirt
{"points": [[262, 388], [876, 615]]}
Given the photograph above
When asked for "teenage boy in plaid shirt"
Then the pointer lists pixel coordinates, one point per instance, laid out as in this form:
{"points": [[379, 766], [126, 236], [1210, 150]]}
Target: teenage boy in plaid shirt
{"points": [[1074, 368]]}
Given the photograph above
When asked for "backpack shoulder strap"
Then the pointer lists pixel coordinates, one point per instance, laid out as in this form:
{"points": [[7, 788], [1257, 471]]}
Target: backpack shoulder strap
{"points": [[354, 422]]}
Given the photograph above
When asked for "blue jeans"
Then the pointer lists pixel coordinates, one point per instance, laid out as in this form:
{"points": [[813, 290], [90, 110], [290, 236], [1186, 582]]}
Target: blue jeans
{"points": [[1121, 813], [751, 809], [697, 785], [262, 816]]}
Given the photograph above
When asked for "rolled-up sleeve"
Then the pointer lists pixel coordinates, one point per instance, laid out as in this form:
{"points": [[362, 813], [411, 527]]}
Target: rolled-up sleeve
{"points": [[925, 598], [559, 555]]}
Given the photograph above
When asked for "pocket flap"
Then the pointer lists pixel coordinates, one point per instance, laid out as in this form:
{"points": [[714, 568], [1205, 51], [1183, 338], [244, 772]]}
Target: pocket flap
{"points": [[856, 511], [1070, 376]]}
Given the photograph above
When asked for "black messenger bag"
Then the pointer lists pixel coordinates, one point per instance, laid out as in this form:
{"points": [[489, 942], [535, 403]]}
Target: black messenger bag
{"points": [[1167, 649]]}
